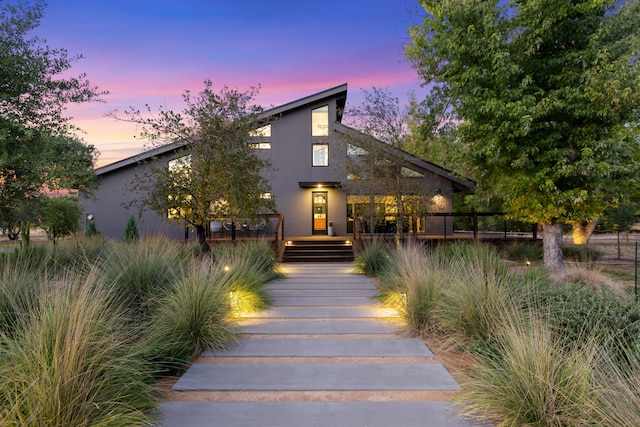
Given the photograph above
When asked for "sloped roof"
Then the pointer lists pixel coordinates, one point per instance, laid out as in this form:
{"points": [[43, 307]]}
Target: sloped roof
{"points": [[459, 183], [338, 92]]}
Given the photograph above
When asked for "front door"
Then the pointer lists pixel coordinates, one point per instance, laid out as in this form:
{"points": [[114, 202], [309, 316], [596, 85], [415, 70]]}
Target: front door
{"points": [[319, 209]]}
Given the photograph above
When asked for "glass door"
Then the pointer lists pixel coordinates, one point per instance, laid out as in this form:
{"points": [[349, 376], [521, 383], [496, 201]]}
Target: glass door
{"points": [[319, 209]]}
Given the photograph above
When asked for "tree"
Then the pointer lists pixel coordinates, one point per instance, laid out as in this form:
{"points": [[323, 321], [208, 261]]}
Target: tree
{"points": [[217, 173], [381, 169], [60, 216], [545, 94], [37, 144]]}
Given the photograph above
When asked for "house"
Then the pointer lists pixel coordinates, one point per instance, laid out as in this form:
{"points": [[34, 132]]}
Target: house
{"points": [[313, 183]]}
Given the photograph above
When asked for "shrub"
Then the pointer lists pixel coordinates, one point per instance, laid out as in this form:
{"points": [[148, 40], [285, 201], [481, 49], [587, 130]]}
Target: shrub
{"points": [[581, 253], [71, 364], [131, 232], [535, 380], [372, 259], [523, 251], [578, 311], [191, 318]]}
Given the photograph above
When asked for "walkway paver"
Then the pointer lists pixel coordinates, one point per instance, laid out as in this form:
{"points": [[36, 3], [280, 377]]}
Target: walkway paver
{"points": [[323, 342]]}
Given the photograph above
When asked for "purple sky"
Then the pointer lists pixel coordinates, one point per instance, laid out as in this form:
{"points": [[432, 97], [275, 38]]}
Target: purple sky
{"points": [[151, 51]]}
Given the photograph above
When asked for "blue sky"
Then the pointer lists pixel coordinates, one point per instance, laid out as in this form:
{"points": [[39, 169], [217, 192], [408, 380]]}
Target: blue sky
{"points": [[151, 51]]}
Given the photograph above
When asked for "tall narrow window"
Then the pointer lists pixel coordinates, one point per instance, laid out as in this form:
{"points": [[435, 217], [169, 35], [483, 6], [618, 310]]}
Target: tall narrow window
{"points": [[320, 154], [320, 121]]}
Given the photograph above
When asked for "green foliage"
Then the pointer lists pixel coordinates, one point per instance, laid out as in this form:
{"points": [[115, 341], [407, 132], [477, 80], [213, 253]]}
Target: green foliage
{"points": [[143, 272], [536, 380], [372, 259], [577, 311], [581, 253], [37, 145], [619, 218], [61, 216], [71, 363], [247, 266], [412, 284], [216, 173], [546, 98], [131, 232], [21, 275], [191, 318], [523, 251], [478, 287]]}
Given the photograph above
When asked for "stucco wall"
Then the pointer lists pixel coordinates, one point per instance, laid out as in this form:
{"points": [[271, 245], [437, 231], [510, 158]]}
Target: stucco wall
{"points": [[111, 217]]}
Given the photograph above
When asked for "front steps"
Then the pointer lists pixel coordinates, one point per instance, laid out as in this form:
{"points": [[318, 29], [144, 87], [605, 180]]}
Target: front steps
{"points": [[318, 250]]}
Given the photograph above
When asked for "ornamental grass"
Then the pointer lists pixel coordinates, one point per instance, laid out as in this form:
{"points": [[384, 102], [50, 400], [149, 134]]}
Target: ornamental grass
{"points": [[191, 318], [71, 363]]}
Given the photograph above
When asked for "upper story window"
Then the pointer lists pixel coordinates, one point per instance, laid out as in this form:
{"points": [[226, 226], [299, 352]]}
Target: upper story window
{"points": [[261, 132], [320, 121], [261, 137], [320, 154]]}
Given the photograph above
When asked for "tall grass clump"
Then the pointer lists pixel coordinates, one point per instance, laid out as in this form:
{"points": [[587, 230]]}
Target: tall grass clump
{"points": [[72, 364], [479, 285], [191, 318], [373, 259], [79, 254], [143, 271], [619, 385], [248, 267], [21, 277], [412, 285], [532, 377]]}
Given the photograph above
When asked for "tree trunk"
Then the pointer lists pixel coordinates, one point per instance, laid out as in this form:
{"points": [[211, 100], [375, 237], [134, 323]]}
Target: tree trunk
{"points": [[582, 233], [399, 222], [202, 239], [552, 245]]}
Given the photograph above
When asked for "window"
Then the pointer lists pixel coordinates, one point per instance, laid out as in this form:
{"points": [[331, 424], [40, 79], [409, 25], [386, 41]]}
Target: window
{"points": [[320, 154], [261, 138], [260, 145], [410, 173], [320, 121], [261, 132]]}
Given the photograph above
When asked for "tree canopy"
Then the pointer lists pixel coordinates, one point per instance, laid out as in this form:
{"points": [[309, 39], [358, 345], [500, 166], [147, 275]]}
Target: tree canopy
{"points": [[545, 96], [217, 174], [38, 146]]}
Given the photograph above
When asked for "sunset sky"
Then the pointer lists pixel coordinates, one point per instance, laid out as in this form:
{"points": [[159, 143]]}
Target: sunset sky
{"points": [[151, 51]]}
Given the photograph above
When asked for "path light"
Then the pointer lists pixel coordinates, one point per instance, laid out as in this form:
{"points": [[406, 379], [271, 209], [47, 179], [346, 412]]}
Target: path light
{"points": [[226, 268]]}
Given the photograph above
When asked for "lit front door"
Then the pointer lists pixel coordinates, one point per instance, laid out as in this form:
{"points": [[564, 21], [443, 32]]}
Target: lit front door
{"points": [[319, 199]]}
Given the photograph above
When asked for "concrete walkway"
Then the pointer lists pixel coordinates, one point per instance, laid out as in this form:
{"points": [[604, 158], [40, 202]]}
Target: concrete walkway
{"points": [[324, 355]]}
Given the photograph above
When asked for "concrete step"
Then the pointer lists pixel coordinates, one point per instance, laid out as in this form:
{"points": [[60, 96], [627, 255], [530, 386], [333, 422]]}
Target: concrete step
{"points": [[310, 414], [315, 376], [323, 313], [303, 301], [325, 347], [317, 326]]}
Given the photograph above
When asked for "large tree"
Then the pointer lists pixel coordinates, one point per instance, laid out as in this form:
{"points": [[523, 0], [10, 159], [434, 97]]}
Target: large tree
{"points": [[546, 96], [38, 146], [217, 173]]}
